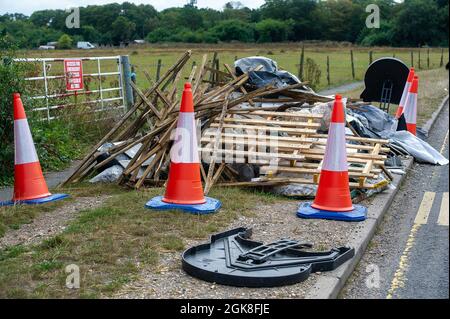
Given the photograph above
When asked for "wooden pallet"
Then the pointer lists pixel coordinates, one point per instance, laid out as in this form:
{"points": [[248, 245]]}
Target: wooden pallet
{"points": [[362, 166], [299, 149], [245, 136]]}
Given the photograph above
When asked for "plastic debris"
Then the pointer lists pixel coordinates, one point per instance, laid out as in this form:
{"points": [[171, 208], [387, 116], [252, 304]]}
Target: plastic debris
{"points": [[109, 175], [231, 258]]}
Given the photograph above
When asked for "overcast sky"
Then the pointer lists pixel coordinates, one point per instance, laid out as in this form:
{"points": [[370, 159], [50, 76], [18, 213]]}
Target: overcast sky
{"points": [[29, 6]]}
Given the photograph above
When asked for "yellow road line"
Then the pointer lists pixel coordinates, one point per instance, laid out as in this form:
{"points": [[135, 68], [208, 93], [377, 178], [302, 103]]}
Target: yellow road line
{"points": [[443, 214], [399, 276], [421, 219], [425, 208]]}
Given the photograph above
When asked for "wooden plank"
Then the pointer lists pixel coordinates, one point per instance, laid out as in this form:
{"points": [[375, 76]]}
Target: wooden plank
{"points": [[369, 163], [246, 154], [353, 155], [350, 159], [268, 122], [279, 145], [267, 128], [355, 146], [146, 101], [243, 90], [212, 162], [201, 73], [191, 76], [221, 90], [263, 183], [301, 170], [315, 166], [355, 138], [87, 160], [280, 114], [225, 74], [261, 137], [295, 181]]}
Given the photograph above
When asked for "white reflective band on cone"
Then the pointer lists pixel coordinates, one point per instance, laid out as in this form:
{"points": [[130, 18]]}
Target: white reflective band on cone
{"points": [[335, 158], [411, 109], [405, 94], [184, 149], [24, 151]]}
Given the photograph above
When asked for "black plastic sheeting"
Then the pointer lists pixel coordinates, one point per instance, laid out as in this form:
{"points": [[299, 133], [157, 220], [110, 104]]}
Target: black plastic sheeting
{"points": [[370, 121], [269, 74], [232, 258]]}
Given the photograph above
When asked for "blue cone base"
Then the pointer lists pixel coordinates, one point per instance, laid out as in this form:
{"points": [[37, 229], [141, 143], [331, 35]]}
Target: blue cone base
{"points": [[43, 200], [212, 205], [359, 213]]}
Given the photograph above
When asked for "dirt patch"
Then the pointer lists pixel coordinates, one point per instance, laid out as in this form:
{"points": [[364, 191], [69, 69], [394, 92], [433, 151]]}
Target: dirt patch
{"points": [[49, 224], [271, 222]]}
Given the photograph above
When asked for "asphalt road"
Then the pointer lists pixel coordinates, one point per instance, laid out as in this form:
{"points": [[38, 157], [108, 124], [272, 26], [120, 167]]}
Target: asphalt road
{"points": [[408, 256]]}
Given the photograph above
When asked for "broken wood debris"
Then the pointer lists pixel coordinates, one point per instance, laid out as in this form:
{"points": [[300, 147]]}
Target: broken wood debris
{"points": [[235, 125]]}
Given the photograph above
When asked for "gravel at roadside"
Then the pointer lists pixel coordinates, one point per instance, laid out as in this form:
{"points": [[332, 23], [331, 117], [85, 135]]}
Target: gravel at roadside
{"points": [[49, 224], [269, 223]]}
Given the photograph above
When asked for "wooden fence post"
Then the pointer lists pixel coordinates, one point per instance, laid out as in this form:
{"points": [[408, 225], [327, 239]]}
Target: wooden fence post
{"points": [[217, 67], [353, 64], [428, 58], [328, 70], [412, 59], [419, 64], [442, 58], [302, 60], [370, 57], [213, 65], [158, 70], [126, 66]]}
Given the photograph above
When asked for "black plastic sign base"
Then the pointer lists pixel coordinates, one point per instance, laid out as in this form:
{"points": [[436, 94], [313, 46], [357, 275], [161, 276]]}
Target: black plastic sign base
{"points": [[231, 258]]}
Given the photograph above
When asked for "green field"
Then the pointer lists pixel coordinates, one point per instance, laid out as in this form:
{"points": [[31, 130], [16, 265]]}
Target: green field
{"points": [[286, 54], [113, 243]]}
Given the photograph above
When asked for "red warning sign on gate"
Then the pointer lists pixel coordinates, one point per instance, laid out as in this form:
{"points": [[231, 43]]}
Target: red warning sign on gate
{"points": [[73, 70]]}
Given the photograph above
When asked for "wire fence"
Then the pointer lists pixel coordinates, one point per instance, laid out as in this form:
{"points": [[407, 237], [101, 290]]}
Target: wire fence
{"points": [[333, 67]]}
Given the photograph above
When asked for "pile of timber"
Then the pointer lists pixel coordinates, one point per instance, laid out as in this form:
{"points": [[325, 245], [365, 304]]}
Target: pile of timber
{"points": [[151, 120], [286, 144]]}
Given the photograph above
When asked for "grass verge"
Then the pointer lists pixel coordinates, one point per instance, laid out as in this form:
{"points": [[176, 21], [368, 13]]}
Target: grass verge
{"points": [[13, 217], [111, 243]]}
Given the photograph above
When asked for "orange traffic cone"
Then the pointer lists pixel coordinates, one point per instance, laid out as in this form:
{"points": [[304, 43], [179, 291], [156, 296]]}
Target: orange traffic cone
{"points": [[333, 199], [184, 187], [29, 183], [411, 107], [408, 83]]}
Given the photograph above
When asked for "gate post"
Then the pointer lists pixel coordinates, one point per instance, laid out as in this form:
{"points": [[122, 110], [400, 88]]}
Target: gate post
{"points": [[125, 61]]}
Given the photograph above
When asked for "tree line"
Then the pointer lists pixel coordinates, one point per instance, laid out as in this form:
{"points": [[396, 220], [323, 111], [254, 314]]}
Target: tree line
{"points": [[407, 23]]}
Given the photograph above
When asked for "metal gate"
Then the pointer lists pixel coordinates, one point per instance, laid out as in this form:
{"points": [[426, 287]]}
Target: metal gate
{"points": [[103, 89]]}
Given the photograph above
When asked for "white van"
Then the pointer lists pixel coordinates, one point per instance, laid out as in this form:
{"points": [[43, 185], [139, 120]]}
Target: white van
{"points": [[85, 45], [47, 47]]}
